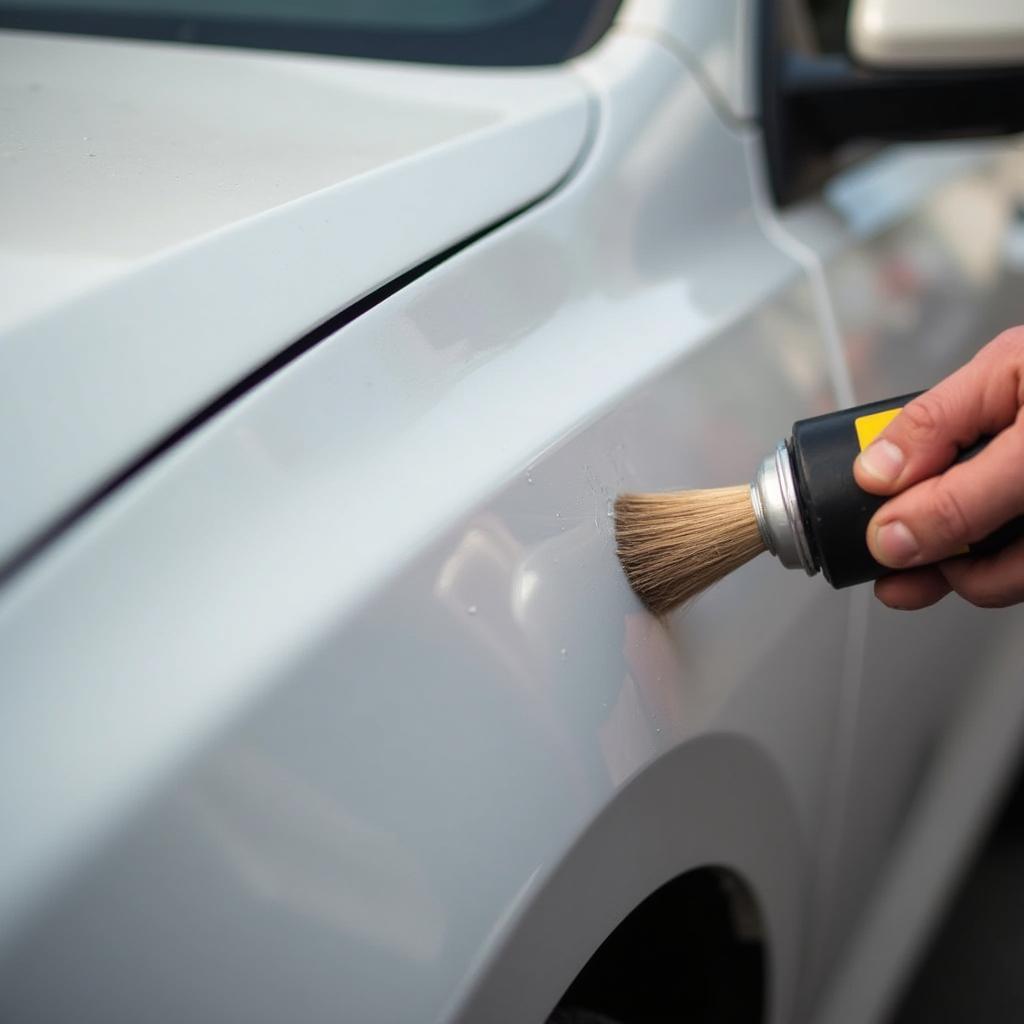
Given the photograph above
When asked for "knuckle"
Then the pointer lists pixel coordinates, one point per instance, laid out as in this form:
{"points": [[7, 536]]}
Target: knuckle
{"points": [[987, 595], [922, 419], [947, 515], [1010, 340]]}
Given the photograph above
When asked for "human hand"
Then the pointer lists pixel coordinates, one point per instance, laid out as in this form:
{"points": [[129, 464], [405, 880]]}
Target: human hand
{"points": [[939, 508]]}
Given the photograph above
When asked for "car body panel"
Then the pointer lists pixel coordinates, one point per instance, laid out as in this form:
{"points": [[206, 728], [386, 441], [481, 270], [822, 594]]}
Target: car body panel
{"points": [[365, 633], [715, 39], [920, 252], [157, 201], [342, 707]]}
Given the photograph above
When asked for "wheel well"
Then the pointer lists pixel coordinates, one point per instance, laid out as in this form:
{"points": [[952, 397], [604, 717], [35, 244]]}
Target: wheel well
{"points": [[692, 951]]}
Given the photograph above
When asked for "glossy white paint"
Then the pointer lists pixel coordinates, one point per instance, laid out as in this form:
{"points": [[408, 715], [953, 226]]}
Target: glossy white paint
{"points": [[362, 648], [714, 39], [916, 249], [172, 215], [973, 763], [342, 708]]}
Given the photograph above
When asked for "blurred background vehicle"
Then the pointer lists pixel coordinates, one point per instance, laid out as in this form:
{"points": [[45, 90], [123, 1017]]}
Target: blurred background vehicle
{"points": [[330, 333]]}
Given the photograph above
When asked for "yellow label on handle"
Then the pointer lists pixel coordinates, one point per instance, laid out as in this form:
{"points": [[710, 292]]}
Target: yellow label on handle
{"points": [[869, 427]]}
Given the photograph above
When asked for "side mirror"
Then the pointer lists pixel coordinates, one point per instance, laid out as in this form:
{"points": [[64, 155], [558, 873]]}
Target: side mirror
{"points": [[925, 69], [936, 33]]}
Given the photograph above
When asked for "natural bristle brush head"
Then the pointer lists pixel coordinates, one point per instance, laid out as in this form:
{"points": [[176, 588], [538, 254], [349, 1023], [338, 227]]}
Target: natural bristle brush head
{"points": [[675, 544]]}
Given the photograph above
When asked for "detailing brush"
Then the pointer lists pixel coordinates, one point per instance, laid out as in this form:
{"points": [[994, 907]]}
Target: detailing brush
{"points": [[676, 544], [804, 507]]}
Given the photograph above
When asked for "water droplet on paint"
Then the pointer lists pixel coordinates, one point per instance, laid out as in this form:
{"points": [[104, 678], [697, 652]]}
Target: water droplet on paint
{"points": [[471, 609], [564, 653], [610, 513]]}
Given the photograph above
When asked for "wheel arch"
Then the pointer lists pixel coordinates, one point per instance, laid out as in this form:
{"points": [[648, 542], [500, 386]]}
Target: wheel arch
{"points": [[715, 806]]}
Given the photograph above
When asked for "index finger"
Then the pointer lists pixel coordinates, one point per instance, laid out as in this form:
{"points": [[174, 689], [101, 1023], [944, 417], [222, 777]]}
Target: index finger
{"points": [[980, 398]]}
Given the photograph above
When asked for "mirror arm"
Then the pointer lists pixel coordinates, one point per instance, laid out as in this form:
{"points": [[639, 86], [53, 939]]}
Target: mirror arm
{"points": [[816, 108]]}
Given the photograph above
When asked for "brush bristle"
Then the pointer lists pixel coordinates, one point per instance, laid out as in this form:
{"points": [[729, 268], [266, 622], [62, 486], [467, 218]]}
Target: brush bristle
{"points": [[675, 544]]}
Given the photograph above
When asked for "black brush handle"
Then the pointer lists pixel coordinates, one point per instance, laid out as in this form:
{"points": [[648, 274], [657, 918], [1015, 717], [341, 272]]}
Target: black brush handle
{"points": [[836, 511]]}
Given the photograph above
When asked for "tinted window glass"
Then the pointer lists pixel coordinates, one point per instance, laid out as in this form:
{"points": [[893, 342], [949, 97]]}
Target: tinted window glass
{"points": [[481, 32]]}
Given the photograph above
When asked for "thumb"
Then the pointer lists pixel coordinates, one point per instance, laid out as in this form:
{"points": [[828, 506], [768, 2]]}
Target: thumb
{"points": [[980, 398]]}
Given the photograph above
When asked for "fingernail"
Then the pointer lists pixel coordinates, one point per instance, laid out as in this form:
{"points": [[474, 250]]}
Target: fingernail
{"points": [[882, 460], [896, 545]]}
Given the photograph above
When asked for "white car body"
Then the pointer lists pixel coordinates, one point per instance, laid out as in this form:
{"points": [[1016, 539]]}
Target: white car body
{"points": [[334, 703]]}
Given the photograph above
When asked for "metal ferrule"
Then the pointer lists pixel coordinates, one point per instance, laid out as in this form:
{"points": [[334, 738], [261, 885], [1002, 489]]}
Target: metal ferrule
{"points": [[774, 497]]}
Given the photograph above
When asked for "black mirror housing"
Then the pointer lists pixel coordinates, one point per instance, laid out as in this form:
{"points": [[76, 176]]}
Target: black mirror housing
{"points": [[815, 107]]}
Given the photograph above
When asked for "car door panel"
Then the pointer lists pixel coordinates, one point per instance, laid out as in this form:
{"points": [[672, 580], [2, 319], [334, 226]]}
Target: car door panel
{"points": [[918, 247], [345, 677]]}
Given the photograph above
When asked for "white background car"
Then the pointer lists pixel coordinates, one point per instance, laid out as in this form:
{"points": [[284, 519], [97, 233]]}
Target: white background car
{"points": [[324, 697]]}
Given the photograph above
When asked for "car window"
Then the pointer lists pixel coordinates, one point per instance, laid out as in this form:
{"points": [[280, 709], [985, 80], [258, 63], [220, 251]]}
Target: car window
{"points": [[477, 32]]}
